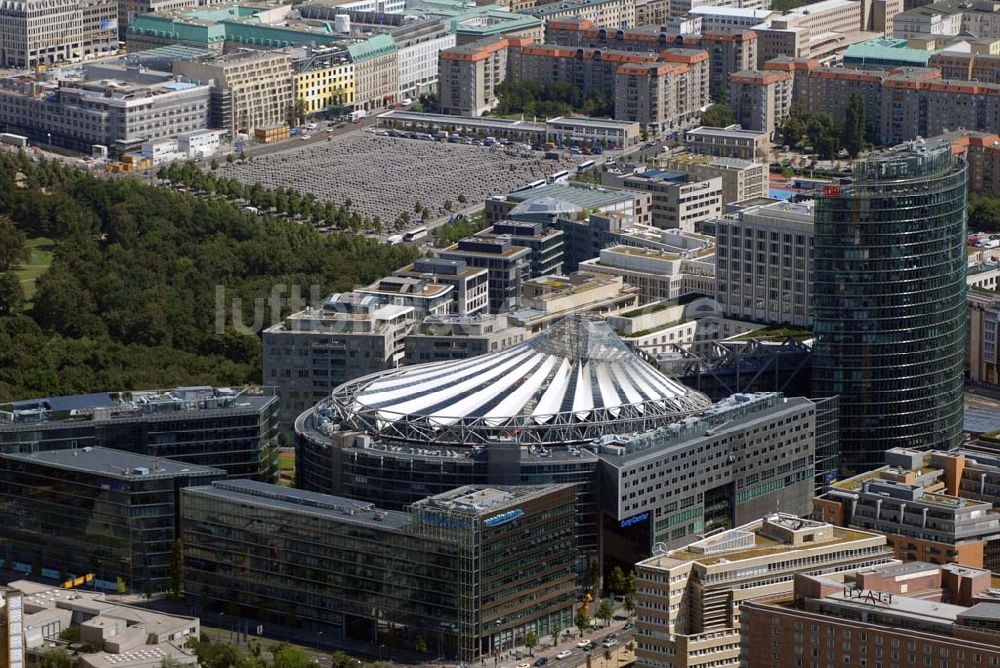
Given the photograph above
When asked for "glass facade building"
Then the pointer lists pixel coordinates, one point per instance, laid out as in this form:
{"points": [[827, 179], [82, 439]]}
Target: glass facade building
{"points": [[234, 430], [94, 510], [889, 302], [469, 572]]}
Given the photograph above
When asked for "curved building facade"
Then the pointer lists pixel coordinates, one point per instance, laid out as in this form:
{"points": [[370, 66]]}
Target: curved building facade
{"points": [[889, 302], [514, 417]]}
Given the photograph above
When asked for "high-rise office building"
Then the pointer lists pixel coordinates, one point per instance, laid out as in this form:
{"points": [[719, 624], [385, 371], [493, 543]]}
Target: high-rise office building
{"points": [[889, 302]]}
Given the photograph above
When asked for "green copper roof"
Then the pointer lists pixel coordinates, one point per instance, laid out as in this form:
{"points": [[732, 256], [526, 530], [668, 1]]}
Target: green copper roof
{"points": [[373, 47]]}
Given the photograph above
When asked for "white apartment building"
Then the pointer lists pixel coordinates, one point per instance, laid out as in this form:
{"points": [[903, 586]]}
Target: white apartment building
{"points": [[716, 19], [684, 7], [927, 22], [418, 63], [765, 263]]}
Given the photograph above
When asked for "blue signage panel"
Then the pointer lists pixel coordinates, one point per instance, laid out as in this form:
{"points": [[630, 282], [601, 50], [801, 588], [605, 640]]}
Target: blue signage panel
{"points": [[503, 518], [635, 519]]}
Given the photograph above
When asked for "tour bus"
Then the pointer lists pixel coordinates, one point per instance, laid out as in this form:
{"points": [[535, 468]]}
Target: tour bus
{"points": [[415, 234]]}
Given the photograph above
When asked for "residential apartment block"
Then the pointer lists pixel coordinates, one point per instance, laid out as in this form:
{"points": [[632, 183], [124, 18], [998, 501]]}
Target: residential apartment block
{"points": [[663, 96], [322, 78], [689, 600], [917, 501], [728, 51], [761, 100], [765, 263], [252, 89], [469, 74], [899, 104], [376, 72]]}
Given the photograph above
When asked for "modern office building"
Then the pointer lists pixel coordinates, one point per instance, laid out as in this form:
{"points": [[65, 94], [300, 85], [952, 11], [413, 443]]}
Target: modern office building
{"points": [[312, 351], [742, 180], [110, 108], [908, 614], [728, 142], [252, 89], [574, 404], [618, 13], [918, 500], [440, 572], [889, 302], [764, 267], [658, 274], [546, 245], [33, 34], [470, 290], [231, 429], [508, 266], [547, 299], [111, 513], [689, 600], [437, 339], [679, 201], [420, 294], [548, 202]]}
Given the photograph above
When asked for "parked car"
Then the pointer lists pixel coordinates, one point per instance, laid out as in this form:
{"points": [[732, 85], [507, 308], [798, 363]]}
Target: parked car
{"points": [[565, 654], [609, 643], [628, 627]]}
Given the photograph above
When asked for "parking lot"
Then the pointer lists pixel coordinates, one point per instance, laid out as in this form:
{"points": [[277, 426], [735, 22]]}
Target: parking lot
{"points": [[387, 176]]}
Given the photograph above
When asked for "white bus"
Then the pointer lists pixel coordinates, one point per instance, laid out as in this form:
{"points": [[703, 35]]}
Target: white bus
{"points": [[559, 176], [415, 234], [585, 166]]}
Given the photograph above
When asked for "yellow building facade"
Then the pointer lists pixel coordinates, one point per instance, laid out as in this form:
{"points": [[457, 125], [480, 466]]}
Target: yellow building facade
{"points": [[325, 86]]}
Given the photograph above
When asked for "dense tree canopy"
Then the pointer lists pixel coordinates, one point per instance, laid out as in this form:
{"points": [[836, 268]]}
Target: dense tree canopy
{"points": [[130, 299], [984, 213], [719, 115], [535, 98]]}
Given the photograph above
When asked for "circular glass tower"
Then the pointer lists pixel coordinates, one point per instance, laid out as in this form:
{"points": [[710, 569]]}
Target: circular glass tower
{"points": [[889, 302]]}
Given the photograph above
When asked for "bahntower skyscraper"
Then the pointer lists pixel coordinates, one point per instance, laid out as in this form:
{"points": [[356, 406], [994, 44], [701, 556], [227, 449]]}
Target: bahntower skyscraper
{"points": [[889, 302]]}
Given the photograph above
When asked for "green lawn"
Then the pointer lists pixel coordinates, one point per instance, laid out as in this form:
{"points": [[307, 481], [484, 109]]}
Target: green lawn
{"points": [[39, 262]]}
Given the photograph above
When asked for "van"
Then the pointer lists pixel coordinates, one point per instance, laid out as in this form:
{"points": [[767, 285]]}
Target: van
{"points": [[311, 126]]}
